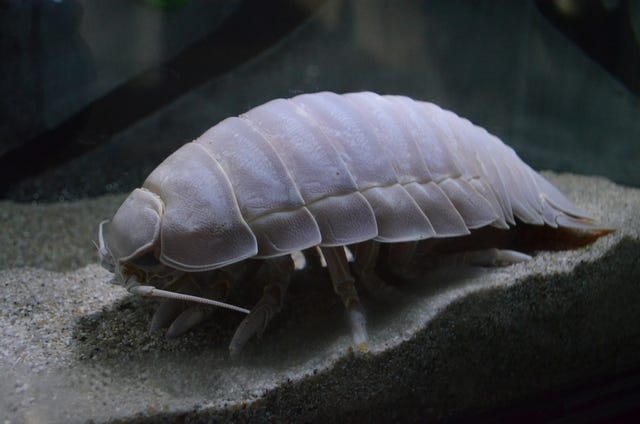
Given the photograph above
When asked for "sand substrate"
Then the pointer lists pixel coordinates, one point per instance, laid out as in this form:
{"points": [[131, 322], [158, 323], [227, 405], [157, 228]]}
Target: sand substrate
{"points": [[73, 348]]}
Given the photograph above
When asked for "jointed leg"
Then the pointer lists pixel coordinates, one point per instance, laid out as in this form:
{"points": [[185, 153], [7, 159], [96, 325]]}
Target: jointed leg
{"points": [[484, 257], [366, 258], [217, 288], [278, 273], [180, 316], [343, 284]]}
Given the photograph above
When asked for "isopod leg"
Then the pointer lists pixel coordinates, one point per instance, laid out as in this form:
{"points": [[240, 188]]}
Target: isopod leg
{"points": [[181, 316], [343, 284], [218, 289], [366, 258], [278, 273], [484, 257], [169, 309], [496, 257]]}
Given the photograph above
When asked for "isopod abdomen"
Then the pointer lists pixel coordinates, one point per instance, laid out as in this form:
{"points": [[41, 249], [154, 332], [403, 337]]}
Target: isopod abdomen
{"points": [[323, 170]]}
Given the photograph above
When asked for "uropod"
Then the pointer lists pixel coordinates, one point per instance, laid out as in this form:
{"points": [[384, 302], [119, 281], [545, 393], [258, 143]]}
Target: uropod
{"points": [[386, 176]]}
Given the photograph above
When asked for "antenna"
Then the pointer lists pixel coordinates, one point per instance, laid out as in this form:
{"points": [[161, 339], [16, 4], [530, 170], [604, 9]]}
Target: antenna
{"points": [[133, 286]]}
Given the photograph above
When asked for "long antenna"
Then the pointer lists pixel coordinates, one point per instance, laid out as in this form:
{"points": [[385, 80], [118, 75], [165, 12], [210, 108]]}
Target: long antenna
{"points": [[133, 286]]}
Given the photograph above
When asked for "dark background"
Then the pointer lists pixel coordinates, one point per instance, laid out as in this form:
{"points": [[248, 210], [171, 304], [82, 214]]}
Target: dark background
{"points": [[94, 94]]}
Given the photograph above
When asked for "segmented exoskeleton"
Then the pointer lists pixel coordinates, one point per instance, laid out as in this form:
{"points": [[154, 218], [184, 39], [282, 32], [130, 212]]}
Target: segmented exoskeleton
{"points": [[323, 170]]}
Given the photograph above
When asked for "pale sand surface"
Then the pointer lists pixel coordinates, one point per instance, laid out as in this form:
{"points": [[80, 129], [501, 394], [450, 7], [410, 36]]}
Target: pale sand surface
{"points": [[73, 348]]}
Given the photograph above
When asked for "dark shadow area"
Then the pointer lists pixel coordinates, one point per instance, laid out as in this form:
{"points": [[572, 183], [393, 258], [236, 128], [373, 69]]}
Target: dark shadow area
{"points": [[608, 32], [312, 315], [613, 398]]}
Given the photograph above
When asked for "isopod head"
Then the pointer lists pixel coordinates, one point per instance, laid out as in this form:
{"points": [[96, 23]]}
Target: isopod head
{"points": [[133, 231], [129, 246], [127, 242]]}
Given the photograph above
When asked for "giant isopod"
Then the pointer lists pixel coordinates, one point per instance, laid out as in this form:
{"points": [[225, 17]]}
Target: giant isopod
{"points": [[320, 171]]}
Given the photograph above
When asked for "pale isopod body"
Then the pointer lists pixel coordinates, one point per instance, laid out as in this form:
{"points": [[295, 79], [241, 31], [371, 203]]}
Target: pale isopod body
{"points": [[323, 170]]}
